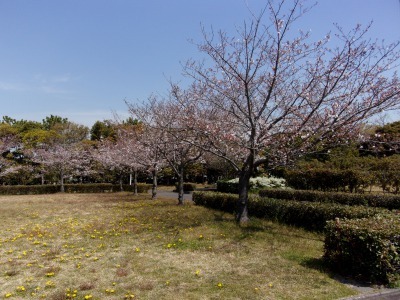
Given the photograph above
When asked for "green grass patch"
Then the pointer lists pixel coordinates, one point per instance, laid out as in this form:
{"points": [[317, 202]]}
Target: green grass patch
{"points": [[120, 246]]}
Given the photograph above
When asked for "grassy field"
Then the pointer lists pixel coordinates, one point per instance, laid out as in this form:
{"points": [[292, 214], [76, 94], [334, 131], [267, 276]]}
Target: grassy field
{"points": [[120, 246]]}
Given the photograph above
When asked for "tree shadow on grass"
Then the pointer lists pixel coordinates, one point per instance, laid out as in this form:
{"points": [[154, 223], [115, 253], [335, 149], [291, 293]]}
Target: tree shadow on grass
{"points": [[320, 265], [316, 264]]}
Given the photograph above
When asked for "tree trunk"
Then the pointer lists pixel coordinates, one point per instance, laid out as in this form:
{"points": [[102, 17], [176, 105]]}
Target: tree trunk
{"points": [[154, 187], [180, 186], [120, 182], [62, 190], [135, 182], [42, 177], [242, 215]]}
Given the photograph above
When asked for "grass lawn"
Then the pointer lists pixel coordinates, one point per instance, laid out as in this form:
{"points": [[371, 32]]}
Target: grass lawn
{"points": [[120, 246]]}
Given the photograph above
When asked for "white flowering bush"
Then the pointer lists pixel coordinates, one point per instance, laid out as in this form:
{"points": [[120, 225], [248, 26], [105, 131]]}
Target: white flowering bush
{"points": [[264, 182], [257, 183]]}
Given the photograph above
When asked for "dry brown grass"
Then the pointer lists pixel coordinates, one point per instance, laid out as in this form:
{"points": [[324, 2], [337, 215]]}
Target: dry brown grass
{"points": [[118, 246]]}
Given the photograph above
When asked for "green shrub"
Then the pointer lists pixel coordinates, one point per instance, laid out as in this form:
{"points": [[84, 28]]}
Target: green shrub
{"points": [[69, 188], [141, 188], [221, 201], [374, 200], [309, 215], [325, 179], [28, 189], [224, 186], [367, 248]]}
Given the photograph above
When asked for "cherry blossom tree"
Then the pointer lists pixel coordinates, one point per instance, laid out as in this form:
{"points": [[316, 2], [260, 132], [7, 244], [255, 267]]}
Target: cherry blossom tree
{"points": [[271, 95], [122, 154], [17, 173], [149, 142], [62, 158], [9, 142], [63, 151], [167, 119]]}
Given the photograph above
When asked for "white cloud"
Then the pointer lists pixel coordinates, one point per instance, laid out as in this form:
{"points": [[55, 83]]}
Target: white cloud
{"points": [[88, 118], [6, 86], [62, 78]]}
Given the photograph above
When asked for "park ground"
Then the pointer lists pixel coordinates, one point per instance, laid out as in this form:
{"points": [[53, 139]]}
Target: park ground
{"points": [[121, 246]]}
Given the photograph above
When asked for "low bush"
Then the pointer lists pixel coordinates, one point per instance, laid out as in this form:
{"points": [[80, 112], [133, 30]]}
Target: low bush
{"points": [[69, 188], [309, 215], [374, 200], [226, 186], [325, 179], [367, 248], [28, 189], [221, 201]]}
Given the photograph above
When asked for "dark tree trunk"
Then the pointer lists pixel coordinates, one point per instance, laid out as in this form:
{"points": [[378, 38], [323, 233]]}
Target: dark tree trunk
{"points": [[180, 186], [154, 187], [242, 215], [62, 189], [135, 182], [120, 183]]}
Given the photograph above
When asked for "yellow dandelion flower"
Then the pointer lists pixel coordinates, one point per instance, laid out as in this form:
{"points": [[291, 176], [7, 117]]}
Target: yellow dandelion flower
{"points": [[50, 284], [220, 285]]}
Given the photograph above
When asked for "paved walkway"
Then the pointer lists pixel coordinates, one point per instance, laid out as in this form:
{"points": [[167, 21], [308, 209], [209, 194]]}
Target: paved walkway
{"points": [[387, 294]]}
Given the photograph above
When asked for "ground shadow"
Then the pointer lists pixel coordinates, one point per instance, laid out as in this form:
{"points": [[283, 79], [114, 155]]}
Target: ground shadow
{"points": [[357, 283]]}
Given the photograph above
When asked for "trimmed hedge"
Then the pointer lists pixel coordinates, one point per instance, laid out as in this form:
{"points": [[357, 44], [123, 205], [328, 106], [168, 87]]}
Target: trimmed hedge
{"points": [[224, 186], [309, 215], [383, 200], [325, 179], [220, 201], [367, 248], [69, 188], [28, 189]]}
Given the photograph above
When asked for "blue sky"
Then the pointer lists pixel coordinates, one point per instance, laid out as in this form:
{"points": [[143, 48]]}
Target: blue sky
{"points": [[81, 59]]}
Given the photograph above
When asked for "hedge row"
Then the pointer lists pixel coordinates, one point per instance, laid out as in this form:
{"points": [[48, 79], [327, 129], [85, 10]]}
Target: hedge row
{"points": [[366, 248], [325, 179], [69, 188], [224, 186], [309, 215], [374, 200]]}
